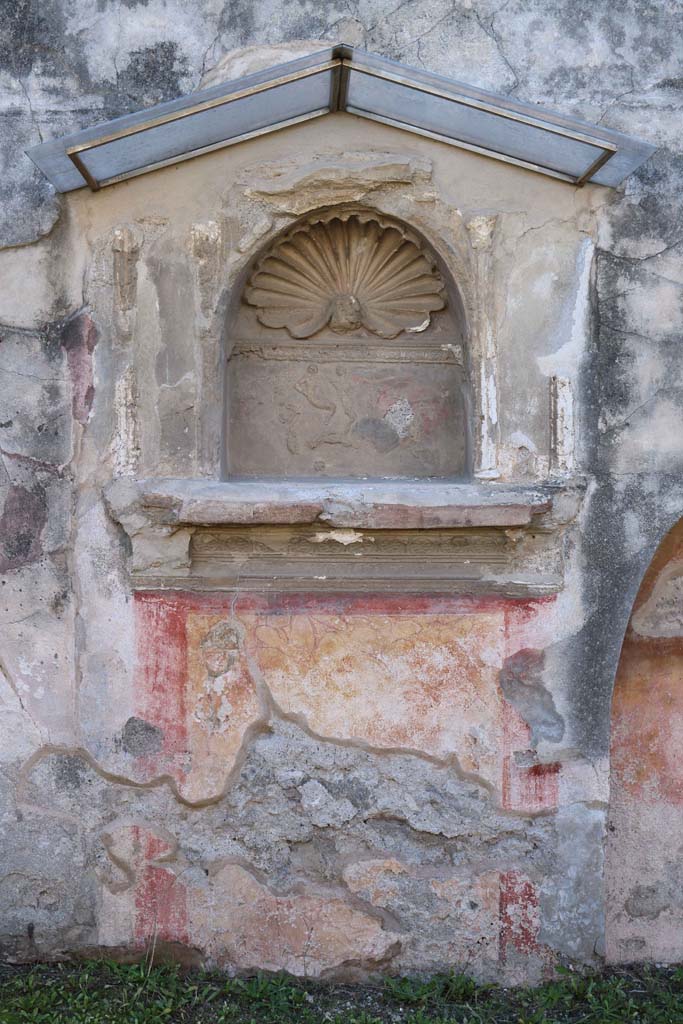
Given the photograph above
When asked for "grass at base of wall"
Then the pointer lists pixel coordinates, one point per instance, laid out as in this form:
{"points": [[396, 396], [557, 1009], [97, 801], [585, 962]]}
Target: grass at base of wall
{"points": [[101, 992]]}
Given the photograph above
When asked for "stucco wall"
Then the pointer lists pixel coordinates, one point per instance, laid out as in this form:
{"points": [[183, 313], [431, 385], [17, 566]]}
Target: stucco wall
{"points": [[642, 876], [588, 286]]}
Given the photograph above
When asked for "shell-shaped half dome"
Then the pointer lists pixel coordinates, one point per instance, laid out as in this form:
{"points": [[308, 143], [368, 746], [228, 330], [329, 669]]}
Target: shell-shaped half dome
{"points": [[346, 271]]}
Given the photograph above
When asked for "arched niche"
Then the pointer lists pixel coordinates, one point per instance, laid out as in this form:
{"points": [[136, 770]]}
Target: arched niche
{"points": [[644, 854], [347, 356]]}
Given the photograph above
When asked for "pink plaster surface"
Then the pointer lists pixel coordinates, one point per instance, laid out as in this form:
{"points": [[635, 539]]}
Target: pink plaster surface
{"points": [[241, 923], [223, 703], [645, 834], [410, 673], [386, 672], [79, 340], [424, 680], [237, 921], [232, 917], [155, 894]]}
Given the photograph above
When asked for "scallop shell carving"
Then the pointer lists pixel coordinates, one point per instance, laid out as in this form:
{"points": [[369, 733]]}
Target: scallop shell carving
{"points": [[346, 272]]}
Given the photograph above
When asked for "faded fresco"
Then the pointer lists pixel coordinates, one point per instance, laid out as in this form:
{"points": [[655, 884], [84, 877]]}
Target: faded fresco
{"points": [[399, 677], [331, 465]]}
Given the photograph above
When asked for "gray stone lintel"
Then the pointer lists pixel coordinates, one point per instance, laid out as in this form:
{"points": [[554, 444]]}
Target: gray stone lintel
{"points": [[333, 535], [359, 504]]}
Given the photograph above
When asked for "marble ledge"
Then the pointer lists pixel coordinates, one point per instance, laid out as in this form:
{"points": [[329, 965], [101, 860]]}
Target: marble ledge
{"points": [[356, 504]]}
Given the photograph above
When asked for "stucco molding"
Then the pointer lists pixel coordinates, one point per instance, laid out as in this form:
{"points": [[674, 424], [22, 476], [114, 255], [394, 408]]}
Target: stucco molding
{"points": [[346, 271], [265, 535]]}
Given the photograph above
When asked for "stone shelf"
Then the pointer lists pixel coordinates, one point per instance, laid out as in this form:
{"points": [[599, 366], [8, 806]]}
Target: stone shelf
{"points": [[355, 504], [356, 535]]}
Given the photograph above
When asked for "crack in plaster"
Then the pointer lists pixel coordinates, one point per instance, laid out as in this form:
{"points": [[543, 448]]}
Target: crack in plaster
{"points": [[117, 48], [115, 778], [451, 761], [624, 421], [34, 118], [47, 467], [209, 49], [617, 99], [493, 35], [644, 259], [301, 886], [13, 685], [262, 726], [390, 14], [427, 32], [34, 376], [273, 711]]}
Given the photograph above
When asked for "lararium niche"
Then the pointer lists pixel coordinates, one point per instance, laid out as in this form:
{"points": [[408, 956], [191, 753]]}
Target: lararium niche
{"points": [[346, 357]]}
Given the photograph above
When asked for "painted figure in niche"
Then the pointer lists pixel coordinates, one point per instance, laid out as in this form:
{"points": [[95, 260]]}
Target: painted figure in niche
{"points": [[222, 700], [327, 396], [225, 674]]}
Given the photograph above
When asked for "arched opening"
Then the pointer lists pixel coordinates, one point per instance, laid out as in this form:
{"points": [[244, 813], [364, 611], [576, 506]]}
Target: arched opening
{"points": [[348, 357], [644, 855]]}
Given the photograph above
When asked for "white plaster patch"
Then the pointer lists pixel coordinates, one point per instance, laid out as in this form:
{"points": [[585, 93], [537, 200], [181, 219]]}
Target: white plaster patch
{"points": [[456, 351], [561, 618], [247, 60], [543, 285], [342, 536], [564, 362], [492, 398], [634, 537], [110, 35], [652, 308], [125, 441], [400, 416], [583, 781], [652, 437], [214, 709], [520, 440], [562, 424], [17, 267]]}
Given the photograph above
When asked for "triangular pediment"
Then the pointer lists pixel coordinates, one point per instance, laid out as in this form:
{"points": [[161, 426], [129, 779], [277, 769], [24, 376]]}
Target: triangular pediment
{"points": [[340, 79]]}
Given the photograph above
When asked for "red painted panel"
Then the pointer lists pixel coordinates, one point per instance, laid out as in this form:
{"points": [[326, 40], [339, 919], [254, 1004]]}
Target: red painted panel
{"points": [[160, 898], [518, 909], [162, 667], [532, 789]]}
